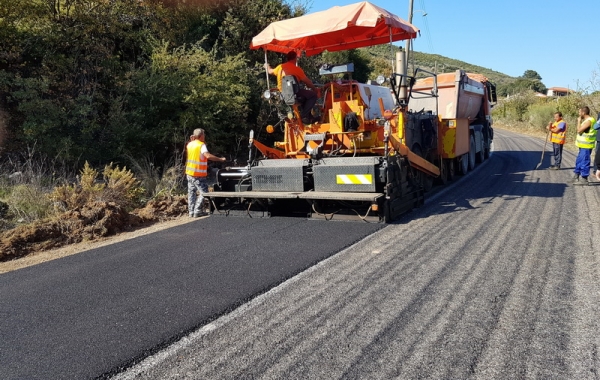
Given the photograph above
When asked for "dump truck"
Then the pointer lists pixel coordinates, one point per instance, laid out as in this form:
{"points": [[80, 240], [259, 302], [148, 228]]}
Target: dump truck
{"points": [[376, 150], [459, 104]]}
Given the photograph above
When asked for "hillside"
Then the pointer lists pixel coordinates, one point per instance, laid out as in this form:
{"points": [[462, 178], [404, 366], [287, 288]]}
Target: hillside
{"points": [[380, 54]]}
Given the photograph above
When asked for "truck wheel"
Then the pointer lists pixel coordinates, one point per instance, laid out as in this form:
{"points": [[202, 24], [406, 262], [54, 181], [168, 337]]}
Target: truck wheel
{"points": [[480, 157], [422, 179], [463, 165], [472, 153], [451, 170], [443, 178]]}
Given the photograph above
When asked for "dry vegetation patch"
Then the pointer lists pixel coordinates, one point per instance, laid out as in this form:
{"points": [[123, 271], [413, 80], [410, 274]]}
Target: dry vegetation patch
{"points": [[92, 221]]}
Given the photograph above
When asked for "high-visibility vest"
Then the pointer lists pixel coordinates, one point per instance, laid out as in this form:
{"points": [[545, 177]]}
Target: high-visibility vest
{"points": [[587, 139], [196, 164], [559, 137]]}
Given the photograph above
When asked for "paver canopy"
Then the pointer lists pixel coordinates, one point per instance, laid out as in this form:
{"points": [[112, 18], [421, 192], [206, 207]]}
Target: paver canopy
{"points": [[338, 28]]}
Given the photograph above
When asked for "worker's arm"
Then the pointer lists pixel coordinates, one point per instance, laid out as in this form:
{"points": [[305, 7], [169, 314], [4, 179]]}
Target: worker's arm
{"points": [[212, 157], [310, 84], [597, 160], [559, 127], [583, 126], [269, 68], [307, 82]]}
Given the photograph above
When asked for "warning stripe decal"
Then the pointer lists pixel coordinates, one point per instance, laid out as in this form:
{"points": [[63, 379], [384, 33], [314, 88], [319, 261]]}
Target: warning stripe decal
{"points": [[354, 179]]}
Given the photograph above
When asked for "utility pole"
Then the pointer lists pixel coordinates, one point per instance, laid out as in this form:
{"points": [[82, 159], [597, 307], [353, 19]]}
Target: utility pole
{"points": [[408, 41], [402, 60]]}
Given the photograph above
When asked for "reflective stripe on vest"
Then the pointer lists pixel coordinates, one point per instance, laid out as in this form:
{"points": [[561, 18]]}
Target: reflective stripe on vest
{"points": [[559, 137], [588, 139], [196, 164]]}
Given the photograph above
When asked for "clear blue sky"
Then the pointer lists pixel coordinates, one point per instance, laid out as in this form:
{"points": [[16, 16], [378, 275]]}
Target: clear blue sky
{"points": [[558, 39]]}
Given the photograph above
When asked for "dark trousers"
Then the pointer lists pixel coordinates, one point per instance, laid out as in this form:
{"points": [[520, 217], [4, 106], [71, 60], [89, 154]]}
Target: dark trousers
{"points": [[558, 148], [308, 101]]}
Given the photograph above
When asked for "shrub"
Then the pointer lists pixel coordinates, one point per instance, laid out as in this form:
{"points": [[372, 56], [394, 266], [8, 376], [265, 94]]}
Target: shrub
{"points": [[166, 180], [27, 202], [118, 186], [538, 115]]}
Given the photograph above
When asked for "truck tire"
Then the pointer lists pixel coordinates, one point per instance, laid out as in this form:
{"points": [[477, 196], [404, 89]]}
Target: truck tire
{"points": [[443, 178], [463, 164], [472, 153], [451, 170], [486, 149], [480, 157], [423, 179]]}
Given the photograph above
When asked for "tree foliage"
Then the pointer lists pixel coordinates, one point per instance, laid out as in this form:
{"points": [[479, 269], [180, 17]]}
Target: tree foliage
{"points": [[119, 80], [105, 80], [531, 74]]}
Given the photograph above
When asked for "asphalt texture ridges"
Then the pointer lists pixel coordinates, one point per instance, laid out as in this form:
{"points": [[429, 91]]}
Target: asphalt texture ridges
{"points": [[92, 314], [496, 277]]}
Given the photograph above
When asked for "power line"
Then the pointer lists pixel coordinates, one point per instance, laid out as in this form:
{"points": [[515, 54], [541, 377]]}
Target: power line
{"points": [[426, 22]]}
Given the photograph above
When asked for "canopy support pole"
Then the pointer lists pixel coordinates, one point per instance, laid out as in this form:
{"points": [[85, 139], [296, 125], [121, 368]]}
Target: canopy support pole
{"points": [[267, 70], [392, 49]]}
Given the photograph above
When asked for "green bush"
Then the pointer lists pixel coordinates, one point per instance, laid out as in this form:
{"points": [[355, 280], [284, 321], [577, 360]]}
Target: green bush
{"points": [[168, 179], [540, 114]]}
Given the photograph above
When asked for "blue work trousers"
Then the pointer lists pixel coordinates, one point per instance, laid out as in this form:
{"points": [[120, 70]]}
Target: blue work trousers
{"points": [[582, 163]]}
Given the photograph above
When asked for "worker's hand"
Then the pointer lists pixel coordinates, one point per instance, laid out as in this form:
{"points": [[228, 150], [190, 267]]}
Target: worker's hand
{"points": [[266, 66], [223, 159], [598, 175]]}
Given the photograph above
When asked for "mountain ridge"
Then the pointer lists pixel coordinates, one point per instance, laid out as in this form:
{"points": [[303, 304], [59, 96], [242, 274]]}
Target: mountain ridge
{"points": [[429, 62]]}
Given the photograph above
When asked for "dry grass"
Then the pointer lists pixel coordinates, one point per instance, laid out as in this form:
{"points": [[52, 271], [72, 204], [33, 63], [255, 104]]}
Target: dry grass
{"points": [[37, 217]]}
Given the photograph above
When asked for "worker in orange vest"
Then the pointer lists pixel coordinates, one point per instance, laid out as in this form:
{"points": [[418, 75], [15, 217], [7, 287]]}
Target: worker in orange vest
{"points": [[308, 97], [558, 128], [196, 170]]}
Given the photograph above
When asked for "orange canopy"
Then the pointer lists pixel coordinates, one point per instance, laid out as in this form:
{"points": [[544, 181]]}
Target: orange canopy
{"points": [[338, 28]]}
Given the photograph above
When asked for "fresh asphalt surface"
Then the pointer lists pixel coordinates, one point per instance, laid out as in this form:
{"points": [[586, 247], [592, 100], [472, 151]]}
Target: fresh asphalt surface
{"points": [[497, 276], [88, 314]]}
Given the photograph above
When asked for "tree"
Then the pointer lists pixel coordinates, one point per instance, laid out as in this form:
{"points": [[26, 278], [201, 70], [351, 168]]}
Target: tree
{"points": [[531, 74]]}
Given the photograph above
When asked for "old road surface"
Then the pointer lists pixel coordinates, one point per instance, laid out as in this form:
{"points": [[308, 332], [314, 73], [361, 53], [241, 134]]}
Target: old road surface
{"points": [[497, 276]]}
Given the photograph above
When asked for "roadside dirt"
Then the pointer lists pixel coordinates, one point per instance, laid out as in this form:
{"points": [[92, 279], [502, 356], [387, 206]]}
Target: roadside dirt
{"points": [[93, 226]]}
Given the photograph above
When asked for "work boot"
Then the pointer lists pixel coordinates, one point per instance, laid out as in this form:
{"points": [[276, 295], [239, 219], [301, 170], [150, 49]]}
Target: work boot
{"points": [[554, 167], [575, 179]]}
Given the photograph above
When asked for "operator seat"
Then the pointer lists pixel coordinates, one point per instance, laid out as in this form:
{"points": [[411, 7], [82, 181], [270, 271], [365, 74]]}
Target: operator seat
{"points": [[296, 98], [289, 89]]}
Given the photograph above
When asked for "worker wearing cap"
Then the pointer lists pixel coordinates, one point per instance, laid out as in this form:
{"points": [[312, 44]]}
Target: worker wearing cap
{"points": [[558, 128], [291, 68], [586, 138], [196, 170]]}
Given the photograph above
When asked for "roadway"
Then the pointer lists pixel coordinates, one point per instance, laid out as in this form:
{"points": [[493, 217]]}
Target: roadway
{"points": [[497, 276]]}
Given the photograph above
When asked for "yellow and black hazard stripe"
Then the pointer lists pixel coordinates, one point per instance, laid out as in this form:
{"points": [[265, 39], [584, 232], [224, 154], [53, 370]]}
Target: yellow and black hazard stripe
{"points": [[354, 179]]}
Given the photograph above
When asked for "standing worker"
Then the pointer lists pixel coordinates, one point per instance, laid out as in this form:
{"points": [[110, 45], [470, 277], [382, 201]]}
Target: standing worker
{"points": [[558, 128], [586, 138], [309, 98], [597, 158], [196, 170]]}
